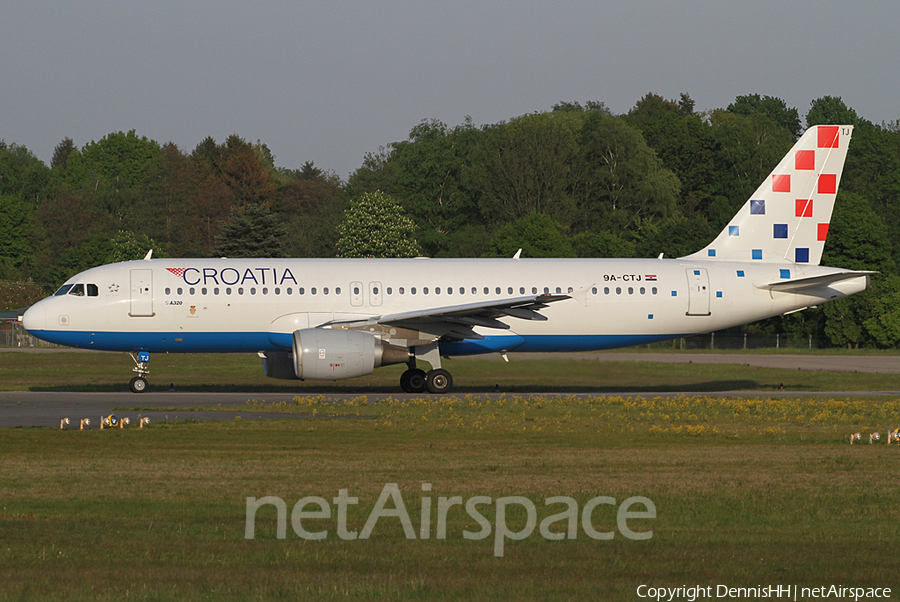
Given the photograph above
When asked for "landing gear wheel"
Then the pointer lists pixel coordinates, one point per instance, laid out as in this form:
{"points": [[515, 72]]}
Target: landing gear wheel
{"points": [[438, 381], [413, 381], [138, 384]]}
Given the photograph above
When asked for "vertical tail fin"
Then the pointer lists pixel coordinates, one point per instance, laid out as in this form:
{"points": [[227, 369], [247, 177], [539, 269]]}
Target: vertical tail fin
{"points": [[786, 220]]}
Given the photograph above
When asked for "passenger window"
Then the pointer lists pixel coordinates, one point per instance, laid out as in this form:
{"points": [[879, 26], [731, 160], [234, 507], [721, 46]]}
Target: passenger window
{"points": [[630, 290], [400, 290], [618, 290], [571, 289], [216, 290], [533, 290], [300, 291], [594, 290], [355, 290], [486, 290], [228, 290], [643, 290], [277, 291], [240, 290], [252, 290], [312, 291], [192, 290], [337, 290], [203, 291], [521, 290], [437, 290], [168, 291], [412, 291], [605, 290], [546, 290], [424, 290], [653, 290], [510, 289], [265, 291], [558, 291], [290, 291], [180, 291], [497, 291], [325, 291]]}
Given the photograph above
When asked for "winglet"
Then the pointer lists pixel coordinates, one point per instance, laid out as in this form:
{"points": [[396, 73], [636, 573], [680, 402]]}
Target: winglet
{"points": [[148, 255], [518, 254]]}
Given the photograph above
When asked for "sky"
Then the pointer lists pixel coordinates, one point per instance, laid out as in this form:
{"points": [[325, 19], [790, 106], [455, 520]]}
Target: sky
{"points": [[329, 81]]}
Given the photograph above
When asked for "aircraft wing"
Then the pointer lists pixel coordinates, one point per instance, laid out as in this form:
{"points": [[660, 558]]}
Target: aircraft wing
{"points": [[799, 284], [458, 321]]}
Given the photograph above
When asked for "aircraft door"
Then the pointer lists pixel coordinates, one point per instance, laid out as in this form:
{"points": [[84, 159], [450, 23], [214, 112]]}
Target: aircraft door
{"points": [[356, 294], [698, 292], [374, 293], [141, 292]]}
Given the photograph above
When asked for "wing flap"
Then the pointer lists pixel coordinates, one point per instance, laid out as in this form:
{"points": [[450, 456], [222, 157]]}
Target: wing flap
{"points": [[458, 321]]}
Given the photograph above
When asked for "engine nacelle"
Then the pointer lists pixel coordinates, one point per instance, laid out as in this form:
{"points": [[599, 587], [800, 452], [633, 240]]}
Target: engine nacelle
{"points": [[324, 354]]}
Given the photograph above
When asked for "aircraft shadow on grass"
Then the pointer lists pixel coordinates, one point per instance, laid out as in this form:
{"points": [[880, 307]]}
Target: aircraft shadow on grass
{"points": [[713, 386]]}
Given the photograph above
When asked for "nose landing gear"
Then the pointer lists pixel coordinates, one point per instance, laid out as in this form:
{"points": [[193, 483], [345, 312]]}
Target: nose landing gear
{"points": [[138, 384]]}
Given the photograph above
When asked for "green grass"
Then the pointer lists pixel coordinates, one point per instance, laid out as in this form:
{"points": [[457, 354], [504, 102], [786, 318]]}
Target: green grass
{"points": [[78, 371], [747, 492]]}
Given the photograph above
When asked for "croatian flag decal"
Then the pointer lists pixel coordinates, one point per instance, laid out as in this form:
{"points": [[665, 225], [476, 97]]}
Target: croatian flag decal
{"points": [[177, 271], [650, 277]]}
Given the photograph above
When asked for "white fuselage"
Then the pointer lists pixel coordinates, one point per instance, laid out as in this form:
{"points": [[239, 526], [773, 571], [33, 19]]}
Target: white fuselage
{"points": [[241, 305]]}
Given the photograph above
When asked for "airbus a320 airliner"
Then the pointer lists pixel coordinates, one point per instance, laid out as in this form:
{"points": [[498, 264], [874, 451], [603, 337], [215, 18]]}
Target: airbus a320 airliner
{"points": [[334, 319]]}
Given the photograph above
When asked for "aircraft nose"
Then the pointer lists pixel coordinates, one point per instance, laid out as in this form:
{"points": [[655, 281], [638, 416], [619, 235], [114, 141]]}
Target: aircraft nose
{"points": [[35, 317]]}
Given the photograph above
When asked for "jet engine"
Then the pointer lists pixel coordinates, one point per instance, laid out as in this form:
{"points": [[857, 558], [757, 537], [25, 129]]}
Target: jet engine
{"points": [[324, 354]]}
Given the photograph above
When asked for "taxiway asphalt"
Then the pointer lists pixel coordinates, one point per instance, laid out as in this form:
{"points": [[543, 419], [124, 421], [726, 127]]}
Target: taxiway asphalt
{"points": [[45, 409]]}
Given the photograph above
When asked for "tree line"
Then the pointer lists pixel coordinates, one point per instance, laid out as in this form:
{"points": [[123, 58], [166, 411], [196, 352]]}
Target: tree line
{"points": [[572, 181]]}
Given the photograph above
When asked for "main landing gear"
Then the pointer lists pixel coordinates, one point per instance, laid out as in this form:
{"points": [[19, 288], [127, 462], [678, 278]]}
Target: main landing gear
{"points": [[413, 380], [436, 381], [138, 384]]}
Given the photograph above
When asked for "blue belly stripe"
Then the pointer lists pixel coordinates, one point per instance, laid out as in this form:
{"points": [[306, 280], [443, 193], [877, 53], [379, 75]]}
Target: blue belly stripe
{"points": [[251, 342]]}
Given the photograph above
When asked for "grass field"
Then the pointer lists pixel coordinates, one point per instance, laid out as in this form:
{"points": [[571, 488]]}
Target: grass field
{"points": [[81, 371], [747, 492]]}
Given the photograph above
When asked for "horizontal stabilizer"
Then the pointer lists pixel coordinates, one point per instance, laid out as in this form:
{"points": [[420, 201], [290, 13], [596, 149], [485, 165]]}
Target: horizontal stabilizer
{"points": [[799, 284]]}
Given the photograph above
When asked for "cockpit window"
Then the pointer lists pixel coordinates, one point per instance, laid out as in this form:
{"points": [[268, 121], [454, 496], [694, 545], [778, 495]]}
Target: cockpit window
{"points": [[79, 290]]}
